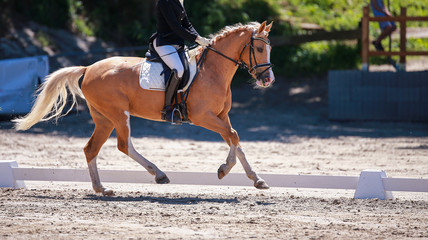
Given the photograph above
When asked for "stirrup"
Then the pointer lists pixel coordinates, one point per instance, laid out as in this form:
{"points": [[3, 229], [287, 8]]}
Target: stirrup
{"points": [[179, 121], [172, 115]]}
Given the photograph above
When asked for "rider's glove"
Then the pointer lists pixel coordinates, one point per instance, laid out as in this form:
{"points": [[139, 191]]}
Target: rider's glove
{"points": [[202, 41]]}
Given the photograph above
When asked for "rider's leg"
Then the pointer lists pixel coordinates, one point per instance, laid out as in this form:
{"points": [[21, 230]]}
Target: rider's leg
{"points": [[170, 56], [168, 112]]}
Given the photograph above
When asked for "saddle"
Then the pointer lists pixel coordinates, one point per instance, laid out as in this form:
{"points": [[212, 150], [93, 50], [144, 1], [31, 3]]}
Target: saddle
{"points": [[153, 56]]}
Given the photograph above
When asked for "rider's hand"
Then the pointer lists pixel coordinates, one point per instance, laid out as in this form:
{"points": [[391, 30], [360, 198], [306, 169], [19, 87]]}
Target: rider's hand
{"points": [[202, 41]]}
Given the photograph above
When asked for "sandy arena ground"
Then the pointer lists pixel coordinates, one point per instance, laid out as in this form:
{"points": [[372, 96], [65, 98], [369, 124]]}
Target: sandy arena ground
{"points": [[283, 130]]}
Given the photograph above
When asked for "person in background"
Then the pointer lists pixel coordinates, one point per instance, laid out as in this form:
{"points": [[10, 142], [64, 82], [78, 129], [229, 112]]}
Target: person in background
{"points": [[379, 10], [173, 28]]}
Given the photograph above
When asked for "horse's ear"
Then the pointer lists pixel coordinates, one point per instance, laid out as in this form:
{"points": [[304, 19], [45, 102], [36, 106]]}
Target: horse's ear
{"points": [[262, 27], [268, 27]]}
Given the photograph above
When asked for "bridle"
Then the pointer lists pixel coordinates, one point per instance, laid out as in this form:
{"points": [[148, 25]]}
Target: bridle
{"points": [[252, 69]]}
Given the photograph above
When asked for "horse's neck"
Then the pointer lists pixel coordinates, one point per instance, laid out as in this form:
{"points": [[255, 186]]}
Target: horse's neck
{"points": [[231, 47]]}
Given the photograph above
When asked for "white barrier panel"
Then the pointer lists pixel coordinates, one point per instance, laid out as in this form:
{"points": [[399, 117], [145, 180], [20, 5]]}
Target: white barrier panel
{"points": [[234, 179], [188, 178], [405, 184]]}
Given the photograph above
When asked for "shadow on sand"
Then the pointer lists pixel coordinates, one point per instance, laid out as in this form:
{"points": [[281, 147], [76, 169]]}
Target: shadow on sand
{"points": [[161, 200], [281, 113]]}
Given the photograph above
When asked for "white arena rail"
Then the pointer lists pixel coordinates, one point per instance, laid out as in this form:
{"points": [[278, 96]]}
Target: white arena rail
{"points": [[370, 183]]}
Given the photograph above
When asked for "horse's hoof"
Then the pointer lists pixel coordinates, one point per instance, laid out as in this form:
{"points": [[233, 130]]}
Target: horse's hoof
{"points": [[108, 192], [261, 184], [162, 180], [220, 172]]}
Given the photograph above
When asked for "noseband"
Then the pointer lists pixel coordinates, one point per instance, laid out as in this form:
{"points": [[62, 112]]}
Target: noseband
{"points": [[252, 69]]}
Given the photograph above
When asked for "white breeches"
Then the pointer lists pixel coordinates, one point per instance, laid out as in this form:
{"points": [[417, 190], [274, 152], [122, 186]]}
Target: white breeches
{"points": [[169, 55]]}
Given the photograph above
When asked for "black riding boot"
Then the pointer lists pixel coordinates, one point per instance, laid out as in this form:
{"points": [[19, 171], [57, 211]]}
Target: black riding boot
{"points": [[171, 113]]}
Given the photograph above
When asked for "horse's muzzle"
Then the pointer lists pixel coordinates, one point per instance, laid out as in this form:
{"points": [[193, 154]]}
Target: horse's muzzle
{"points": [[266, 77], [266, 82]]}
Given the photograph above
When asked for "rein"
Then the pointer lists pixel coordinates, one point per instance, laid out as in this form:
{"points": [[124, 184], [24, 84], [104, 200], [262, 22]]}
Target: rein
{"points": [[198, 68]]}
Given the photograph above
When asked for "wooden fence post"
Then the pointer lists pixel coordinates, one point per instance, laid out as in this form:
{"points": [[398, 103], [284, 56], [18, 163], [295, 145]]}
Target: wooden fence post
{"points": [[365, 39], [403, 38]]}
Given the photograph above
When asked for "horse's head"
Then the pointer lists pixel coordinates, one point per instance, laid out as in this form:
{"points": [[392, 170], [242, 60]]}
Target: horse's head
{"points": [[257, 58]]}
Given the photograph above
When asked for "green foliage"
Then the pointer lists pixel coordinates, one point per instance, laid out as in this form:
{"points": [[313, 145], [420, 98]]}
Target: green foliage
{"points": [[318, 58], [412, 44], [329, 14], [344, 14], [315, 58], [44, 39], [52, 13], [79, 21], [417, 44], [414, 8], [125, 22], [211, 15], [132, 23]]}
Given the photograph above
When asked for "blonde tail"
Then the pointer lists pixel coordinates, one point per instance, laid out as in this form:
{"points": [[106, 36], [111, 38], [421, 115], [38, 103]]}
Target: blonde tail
{"points": [[53, 97]]}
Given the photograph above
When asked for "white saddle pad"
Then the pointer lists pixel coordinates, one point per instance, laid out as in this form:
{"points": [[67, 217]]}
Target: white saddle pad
{"points": [[151, 78]]}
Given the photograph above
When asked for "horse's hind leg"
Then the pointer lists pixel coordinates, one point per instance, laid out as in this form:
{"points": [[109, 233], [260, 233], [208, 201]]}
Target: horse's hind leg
{"points": [[124, 143], [102, 131]]}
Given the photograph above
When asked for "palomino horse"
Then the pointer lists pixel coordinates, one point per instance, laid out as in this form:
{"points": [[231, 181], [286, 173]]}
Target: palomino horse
{"points": [[112, 92]]}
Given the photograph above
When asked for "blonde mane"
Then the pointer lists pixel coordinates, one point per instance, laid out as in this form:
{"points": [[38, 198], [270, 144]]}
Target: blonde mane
{"points": [[226, 31]]}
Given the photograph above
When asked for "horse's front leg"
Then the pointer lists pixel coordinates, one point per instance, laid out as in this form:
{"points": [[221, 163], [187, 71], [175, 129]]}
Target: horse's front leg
{"points": [[230, 162], [224, 128], [258, 181]]}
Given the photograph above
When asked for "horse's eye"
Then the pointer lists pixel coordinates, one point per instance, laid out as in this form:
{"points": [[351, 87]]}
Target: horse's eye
{"points": [[260, 49]]}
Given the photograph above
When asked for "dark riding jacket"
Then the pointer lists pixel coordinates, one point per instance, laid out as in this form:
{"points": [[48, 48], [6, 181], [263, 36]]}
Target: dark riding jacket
{"points": [[173, 26]]}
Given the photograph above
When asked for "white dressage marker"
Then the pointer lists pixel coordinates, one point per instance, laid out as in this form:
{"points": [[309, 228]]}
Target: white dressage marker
{"points": [[7, 177], [371, 183]]}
